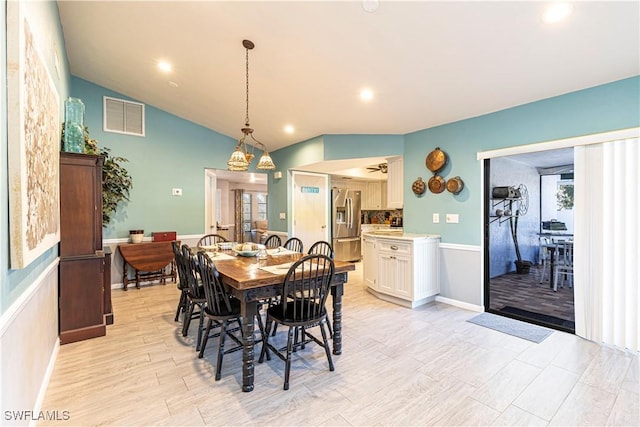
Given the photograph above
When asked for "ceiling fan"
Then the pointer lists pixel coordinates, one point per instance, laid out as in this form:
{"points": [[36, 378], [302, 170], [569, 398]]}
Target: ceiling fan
{"points": [[382, 167]]}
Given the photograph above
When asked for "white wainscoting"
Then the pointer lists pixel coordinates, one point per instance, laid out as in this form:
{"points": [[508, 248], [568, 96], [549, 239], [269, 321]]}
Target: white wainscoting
{"points": [[461, 281], [29, 345]]}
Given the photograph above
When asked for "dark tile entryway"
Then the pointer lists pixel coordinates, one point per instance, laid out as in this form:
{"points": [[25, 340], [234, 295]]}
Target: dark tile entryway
{"points": [[523, 295]]}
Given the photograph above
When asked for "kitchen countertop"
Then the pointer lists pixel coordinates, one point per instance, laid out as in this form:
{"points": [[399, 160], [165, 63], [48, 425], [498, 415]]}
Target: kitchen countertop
{"points": [[398, 235]]}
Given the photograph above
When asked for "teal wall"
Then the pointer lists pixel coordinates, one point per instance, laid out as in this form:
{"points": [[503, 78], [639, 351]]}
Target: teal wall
{"points": [[47, 31], [323, 148], [603, 108], [338, 147], [173, 154]]}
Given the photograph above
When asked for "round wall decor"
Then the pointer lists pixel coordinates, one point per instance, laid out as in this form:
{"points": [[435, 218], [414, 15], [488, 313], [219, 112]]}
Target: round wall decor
{"points": [[436, 184], [418, 186]]}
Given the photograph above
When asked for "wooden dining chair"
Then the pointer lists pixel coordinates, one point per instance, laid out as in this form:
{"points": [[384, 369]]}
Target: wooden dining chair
{"points": [[294, 244], [210, 240], [302, 307], [221, 309], [273, 241], [183, 284], [321, 247], [324, 248], [195, 295]]}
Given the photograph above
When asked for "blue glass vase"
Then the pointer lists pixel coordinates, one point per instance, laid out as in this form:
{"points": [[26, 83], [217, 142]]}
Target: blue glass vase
{"points": [[74, 125]]}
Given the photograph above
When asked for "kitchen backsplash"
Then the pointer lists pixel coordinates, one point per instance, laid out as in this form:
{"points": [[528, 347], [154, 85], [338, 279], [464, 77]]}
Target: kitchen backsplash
{"points": [[380, 217]]}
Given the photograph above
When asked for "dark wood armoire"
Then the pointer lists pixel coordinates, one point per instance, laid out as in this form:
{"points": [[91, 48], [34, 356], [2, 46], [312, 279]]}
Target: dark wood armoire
{"points": [[84, 303]]}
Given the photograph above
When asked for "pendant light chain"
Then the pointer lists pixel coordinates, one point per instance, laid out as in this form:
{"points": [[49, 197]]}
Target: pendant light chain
{"points": [[246, 118]]}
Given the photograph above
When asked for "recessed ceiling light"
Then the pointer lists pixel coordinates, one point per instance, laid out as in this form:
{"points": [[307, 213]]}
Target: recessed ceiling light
{"points": [[289, 129], [370, 5], [366, 94], [164, 66], [557, 12]]}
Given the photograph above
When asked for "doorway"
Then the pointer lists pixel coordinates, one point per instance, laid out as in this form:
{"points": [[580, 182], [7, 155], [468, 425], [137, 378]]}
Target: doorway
{"points": [[220, 211], [521, 200], [310, 207]]}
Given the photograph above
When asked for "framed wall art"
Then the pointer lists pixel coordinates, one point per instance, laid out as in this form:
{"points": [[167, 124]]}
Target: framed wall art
{"points": [[34, 143]]}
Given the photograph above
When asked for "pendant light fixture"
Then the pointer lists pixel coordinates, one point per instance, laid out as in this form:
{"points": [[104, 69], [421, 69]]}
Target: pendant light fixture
{"points": [[241, 157]]}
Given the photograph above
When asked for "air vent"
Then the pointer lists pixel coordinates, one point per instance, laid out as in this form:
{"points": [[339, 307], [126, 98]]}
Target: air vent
{"points": [[122, 116]]}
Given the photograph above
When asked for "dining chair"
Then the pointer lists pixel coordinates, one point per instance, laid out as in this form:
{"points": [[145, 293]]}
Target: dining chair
{"points": [[221, 309], [210, 240], [195, 295], [273, 241], [183, 284], [302, 307], [294, 244], [321, 247], [545, 256], [324, 248], [563, 264]]}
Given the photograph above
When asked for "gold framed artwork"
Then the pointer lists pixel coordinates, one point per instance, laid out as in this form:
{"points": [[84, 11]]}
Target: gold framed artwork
{"points": [[34, 143]]}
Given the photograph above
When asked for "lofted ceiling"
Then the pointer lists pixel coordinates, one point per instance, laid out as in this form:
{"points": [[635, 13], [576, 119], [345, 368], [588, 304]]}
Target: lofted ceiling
{"points": [[427, 63]]}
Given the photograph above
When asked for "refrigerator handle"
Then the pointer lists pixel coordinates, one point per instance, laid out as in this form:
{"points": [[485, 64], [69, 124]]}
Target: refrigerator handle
{"points": [[349, 213]]}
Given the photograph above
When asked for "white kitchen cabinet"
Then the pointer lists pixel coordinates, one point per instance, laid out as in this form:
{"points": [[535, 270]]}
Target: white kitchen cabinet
{"points": [[370, 266], [370, 194], [402, 268], [384, 202], [394, 268], [395, 198], [372, 198]]}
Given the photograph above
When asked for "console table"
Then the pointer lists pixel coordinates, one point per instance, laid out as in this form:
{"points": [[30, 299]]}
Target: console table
{"points": [[150, 260]]}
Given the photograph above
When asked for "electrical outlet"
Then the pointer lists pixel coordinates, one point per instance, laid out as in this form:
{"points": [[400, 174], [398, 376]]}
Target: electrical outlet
{"points": [[452, 218], [283, 215], [436, 218], [176, 191]]}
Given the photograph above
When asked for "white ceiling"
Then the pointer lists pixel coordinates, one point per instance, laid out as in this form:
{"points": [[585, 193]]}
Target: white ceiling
{"points": [[428, 63]]}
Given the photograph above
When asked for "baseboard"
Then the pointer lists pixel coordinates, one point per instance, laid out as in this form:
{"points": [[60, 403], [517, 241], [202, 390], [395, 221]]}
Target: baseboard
{"points": [[399, 301], [460, 304], [45, 380]]}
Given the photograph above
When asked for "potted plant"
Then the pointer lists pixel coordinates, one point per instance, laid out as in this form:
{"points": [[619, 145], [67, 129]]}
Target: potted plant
{"points": [[116, 181]]}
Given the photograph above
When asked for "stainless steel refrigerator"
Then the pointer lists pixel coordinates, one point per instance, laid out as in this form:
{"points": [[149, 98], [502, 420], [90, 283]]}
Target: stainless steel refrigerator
{"points": [[345, 231]]}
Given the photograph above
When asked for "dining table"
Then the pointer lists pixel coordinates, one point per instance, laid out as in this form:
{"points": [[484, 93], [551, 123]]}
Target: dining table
{"points": [[252, 279]]}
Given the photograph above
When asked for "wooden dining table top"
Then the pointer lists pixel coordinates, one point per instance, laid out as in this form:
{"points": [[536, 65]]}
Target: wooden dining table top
{"points": [[244, 273]]}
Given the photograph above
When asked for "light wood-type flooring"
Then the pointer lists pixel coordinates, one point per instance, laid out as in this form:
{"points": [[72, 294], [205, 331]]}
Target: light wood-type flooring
{"points": [[426, 366]]}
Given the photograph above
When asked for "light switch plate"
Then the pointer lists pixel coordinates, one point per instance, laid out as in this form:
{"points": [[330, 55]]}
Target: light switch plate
{"points": [[283, 215], [452, 218], [176, 191], [436, 218]]}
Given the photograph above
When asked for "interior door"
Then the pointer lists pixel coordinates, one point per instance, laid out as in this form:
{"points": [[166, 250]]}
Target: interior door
{"points": [[310, 207]]}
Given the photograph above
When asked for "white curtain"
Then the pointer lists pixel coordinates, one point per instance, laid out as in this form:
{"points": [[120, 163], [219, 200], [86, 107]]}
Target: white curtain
{"points": [[606, 254]]}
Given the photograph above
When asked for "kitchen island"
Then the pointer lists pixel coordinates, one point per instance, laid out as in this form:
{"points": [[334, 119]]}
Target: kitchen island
{"points": [[402, 268]]}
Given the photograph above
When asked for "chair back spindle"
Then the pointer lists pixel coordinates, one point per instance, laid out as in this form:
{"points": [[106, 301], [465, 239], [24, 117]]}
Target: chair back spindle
{"points": [[294, 244]]}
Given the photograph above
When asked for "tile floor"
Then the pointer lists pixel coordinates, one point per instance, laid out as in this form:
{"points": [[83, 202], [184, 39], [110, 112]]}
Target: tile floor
{"points": [[426, 366]]}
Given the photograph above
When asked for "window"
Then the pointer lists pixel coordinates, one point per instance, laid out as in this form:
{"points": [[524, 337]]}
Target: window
{"points": [[262, 206], [246, 212], [564, 195]]}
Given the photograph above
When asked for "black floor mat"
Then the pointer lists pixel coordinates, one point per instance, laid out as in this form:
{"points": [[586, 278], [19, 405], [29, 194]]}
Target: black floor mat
{"points": [[551, 320]]}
